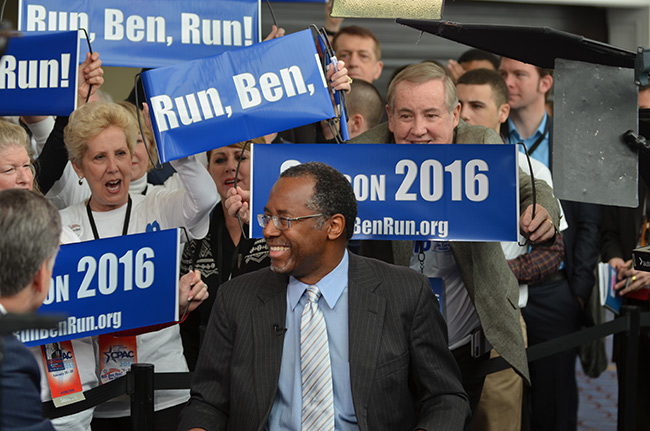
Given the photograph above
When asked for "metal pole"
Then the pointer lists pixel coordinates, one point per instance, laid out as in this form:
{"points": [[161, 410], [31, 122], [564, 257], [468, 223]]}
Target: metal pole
{"points": [[141, 393], [627, 393]]}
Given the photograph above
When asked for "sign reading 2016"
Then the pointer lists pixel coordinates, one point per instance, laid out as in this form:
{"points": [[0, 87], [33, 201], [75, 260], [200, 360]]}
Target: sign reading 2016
{"points": [[426, 181], [103, 285], [468, 182], [142, 272], [411, 192]]}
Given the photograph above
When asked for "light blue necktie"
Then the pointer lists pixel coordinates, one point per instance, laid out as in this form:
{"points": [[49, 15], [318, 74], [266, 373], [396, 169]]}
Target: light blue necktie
{"points": [[315, 367]]}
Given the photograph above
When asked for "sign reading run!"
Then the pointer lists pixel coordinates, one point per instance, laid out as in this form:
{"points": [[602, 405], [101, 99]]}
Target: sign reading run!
{"points": [[38, 75]]}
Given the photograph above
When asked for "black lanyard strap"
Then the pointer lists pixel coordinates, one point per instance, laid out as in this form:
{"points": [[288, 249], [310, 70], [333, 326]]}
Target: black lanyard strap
{"points": [[539, 140], [127, 217]]}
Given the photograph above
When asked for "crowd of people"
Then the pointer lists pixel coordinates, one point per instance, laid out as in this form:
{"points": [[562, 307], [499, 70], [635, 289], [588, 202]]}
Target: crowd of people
{"points": [[304, 329]]}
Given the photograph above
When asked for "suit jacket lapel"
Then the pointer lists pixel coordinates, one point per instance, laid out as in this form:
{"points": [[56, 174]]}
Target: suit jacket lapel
{"points": [[366, 310], [268, 318]]}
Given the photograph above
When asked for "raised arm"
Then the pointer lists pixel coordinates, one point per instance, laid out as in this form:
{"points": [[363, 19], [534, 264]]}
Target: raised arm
{"points": [[52, 160], [190, 206]]}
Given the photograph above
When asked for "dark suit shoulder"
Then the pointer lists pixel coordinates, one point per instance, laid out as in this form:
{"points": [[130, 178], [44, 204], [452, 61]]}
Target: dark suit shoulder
{"points": [[394, 281], [20, 400], [263, 282], [252, 277], [382, 268]]}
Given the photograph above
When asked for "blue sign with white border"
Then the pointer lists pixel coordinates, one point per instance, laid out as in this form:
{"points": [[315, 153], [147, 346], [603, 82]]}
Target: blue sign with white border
{"points": [[135, 34], [38, 74], [408, 192], [112, 284], [238, 95]]}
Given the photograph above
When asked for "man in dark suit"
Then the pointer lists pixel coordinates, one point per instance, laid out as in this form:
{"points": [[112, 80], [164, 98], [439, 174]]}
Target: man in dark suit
{"points": [[388, 359], [556, 303], [30, 228], [623, 230]]}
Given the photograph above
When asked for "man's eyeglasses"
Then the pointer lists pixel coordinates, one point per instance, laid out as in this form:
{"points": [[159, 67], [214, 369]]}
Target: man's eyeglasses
{"points": [[281, 223]]}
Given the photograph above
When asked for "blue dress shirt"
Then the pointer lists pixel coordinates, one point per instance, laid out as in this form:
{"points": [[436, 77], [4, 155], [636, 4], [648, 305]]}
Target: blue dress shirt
{"points": [[287, 406], [542, 152]]}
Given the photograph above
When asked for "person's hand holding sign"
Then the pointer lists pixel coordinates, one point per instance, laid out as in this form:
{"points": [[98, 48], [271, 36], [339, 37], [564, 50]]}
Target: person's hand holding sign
{"points": [[538, 229], [91, 77], [339, 78], [237, 202], [192, 291], [275, 32]]}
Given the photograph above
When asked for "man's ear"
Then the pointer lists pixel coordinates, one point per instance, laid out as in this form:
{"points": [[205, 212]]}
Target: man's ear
{"points": [[336, 227], [355, 123], [41, 283], [545, 84], [503, 112], [390, 119], [456, 114], [378, 69]]}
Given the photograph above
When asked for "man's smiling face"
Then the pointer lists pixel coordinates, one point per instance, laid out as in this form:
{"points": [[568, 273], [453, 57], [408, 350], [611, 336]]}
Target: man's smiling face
{"points": [[419, 114]]}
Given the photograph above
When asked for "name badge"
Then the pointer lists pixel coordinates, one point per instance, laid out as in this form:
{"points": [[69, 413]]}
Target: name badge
{"points": [[116, 355], [62, 373]]}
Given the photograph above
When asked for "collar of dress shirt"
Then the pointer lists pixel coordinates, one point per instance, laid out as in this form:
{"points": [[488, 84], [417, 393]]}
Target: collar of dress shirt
{"points": [[516, 137], [331, 286]]}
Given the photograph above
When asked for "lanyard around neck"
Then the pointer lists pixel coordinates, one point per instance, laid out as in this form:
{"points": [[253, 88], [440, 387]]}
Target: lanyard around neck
{"points": [[539, 140], [127, 217]]}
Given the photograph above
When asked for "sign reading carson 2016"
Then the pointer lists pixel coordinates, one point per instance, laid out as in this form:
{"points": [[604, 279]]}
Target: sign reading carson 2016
{"points": [[111, 284], [409, 192]]}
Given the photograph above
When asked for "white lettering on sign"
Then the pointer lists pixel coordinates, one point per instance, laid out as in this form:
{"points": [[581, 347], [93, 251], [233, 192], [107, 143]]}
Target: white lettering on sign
{"points": [[196, 31], [26, 74], [107, 270], [59, 290], [475, 187], [642, 263], [191, 108], [273, 87], [38, 18], [390, 227], [72, 326], [135, 28], [364, 186]]}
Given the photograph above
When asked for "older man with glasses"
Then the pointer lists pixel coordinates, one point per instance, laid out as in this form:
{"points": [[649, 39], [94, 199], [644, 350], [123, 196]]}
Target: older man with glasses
{"points": [[324, 339]]}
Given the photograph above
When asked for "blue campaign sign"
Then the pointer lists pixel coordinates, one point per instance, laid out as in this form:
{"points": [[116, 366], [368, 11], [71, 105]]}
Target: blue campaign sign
{"points": [[408, 192], [242, 94], [109, 285], [134, 34], [38, 74]]}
